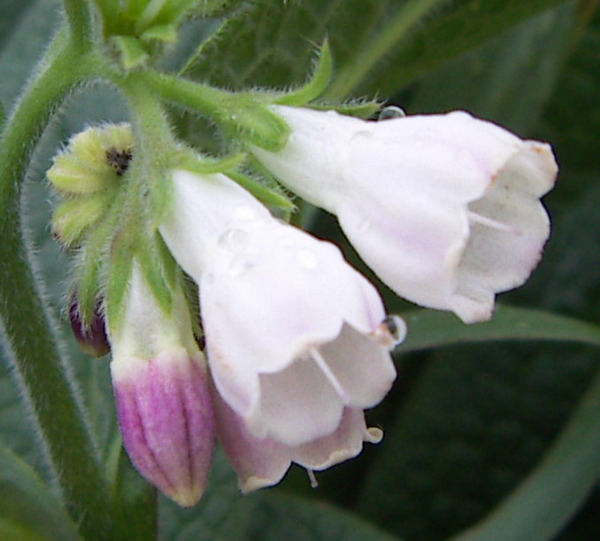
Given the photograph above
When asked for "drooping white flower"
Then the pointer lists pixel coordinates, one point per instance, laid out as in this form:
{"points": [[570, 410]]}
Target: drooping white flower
{"points": [[262, 462], [294, 335], [160, 382], [445, 208]]}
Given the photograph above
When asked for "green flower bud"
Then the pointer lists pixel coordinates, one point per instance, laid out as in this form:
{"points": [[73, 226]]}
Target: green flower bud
{"points": [[93, 161]]}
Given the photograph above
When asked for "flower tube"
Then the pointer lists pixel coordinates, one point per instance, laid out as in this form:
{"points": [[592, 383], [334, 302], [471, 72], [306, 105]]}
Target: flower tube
{"points": [[445, 208]]}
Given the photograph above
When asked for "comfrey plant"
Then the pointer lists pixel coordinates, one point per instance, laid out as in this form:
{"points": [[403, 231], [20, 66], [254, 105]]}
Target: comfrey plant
{"points": [[446, 209], [226, 320]]}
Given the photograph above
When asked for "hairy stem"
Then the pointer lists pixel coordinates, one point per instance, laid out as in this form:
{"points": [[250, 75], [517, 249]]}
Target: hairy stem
{"points": [[78, 19], [31, 337]]}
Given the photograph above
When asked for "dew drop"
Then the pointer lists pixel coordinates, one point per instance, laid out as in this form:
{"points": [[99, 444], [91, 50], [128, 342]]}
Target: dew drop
{"points": [[307, 260], [392, 111], [373, 435], [391, 331], [233, 239]]}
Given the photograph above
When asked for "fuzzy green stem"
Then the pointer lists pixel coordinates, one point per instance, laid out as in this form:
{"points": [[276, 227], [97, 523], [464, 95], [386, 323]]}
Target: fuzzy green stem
{"points": [[352, 74], [196, 96], [78, 19], [246, 113], [31, 337]]}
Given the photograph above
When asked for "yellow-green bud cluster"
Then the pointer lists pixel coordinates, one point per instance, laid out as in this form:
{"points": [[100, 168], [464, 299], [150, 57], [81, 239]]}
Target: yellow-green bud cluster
{"points": [[87, 174]]}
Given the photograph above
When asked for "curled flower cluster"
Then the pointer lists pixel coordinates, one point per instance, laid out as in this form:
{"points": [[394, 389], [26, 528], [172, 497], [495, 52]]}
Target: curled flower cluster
{"points": [[445, 209]]}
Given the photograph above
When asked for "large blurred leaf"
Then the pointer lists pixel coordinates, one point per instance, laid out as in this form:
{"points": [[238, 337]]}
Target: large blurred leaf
{"points": [[26, 502], [22, 47], [12, 11], [543, 503], [428, 329], [225, 514], [460, 28], [270, 43], [479, 418], [509, 78]]}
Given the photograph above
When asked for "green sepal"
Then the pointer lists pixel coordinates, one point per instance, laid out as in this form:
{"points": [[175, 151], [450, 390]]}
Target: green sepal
{"points": [[73, 217], [253, 122], [167, 12], [265, 195], [202, 165], [149, 256], [89, 270], [361, 109], [317, 83], [131, 52], [117, 283], [164, 33], [161, 195], [168, 264]]}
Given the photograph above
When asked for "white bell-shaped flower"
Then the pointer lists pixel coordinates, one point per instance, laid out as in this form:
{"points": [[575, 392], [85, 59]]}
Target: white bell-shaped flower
{"points": [[263, 462], [445, 208], [294, 334]]}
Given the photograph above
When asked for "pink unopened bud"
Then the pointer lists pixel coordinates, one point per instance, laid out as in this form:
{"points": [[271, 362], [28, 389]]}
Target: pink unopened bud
{"points": [[161, 389], [166, 421]]}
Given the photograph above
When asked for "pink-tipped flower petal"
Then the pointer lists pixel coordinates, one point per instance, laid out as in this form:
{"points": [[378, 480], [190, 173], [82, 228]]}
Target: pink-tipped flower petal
{"points": [[161, 390]]}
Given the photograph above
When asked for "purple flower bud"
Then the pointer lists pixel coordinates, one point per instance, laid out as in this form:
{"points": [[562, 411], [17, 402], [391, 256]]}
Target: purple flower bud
{"points": [[166, 420], [161, 389], [92, 338]]}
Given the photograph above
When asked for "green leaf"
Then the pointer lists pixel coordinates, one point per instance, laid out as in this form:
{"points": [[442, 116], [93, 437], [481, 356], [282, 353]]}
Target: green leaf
{"points": [[13, 531], [474, 423], [508, 79], [545, 501], [429, 329], [269, 515], [21, 47], [457, 29], [25, 502], [378, 46], [12, 13]]}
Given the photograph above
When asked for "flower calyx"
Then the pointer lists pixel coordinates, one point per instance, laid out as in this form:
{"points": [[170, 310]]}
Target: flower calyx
{"points": [[137, 31], [87, 174]]}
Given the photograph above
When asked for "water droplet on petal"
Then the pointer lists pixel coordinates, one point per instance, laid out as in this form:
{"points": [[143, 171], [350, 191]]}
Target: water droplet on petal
{"points": [[373, 435], [307, 260], [391, 331], [233, 239], [390, 112]]}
